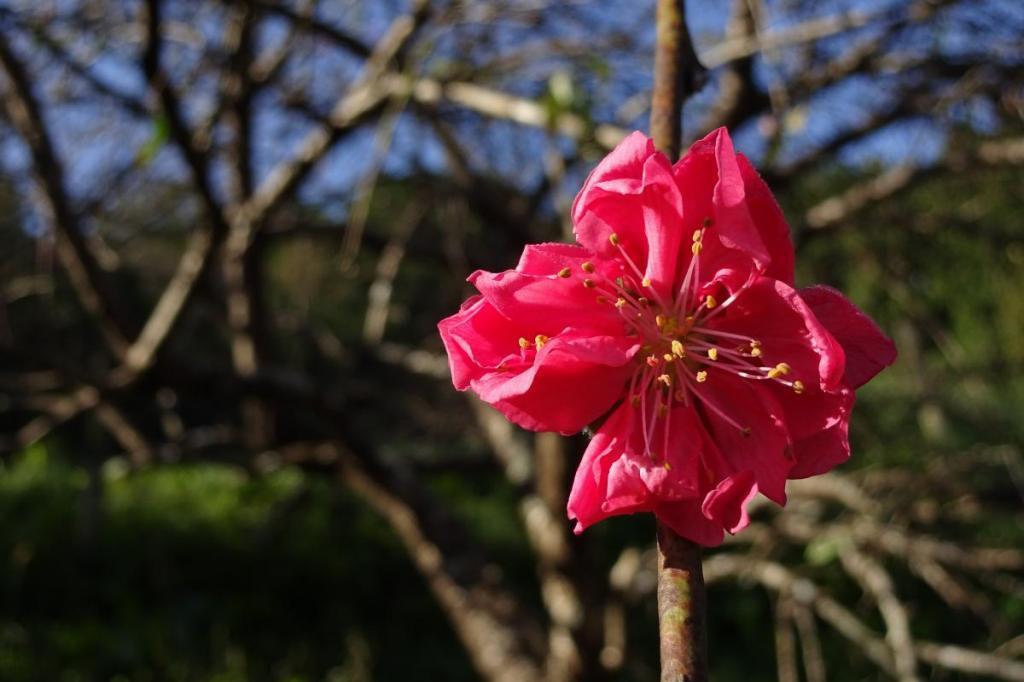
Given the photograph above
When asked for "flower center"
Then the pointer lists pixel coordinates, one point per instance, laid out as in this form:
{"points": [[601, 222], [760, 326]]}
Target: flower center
{"points": [[682, 351]]}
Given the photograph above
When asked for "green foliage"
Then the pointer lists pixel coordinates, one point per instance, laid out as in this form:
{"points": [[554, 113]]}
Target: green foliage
{"points": [[204, 572]]}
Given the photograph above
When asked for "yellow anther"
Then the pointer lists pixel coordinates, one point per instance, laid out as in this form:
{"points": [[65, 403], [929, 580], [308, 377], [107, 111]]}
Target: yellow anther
{"points": [[540, 340], [755, 351], [589, 283], [778, 370], [660, 320], [702, 376], [712, 353], [697, 234], [784, 368], [668, 467], [754, 343], [620, 302], [710, 302], [587, 266], [696, 248], [565, 272], [678, 349], [798, 387], [523, 343], [646, 282], [614, 239], [665, 379], [669, 357]]}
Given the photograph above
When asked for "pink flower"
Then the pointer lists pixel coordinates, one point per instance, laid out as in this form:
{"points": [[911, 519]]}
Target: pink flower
{"points": [[674, 325]]}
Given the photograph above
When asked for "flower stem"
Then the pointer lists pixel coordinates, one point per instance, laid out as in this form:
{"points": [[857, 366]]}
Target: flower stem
{"points": [[682, 602]]}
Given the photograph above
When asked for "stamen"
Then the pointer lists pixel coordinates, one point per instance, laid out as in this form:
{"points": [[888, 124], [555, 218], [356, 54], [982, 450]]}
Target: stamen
{"points": [[614, 239], [587, 267], [712, 353], [620, 302], [798, 387], [696, 248], [710, 302], [652, 361], [523, 343], [669, 357], [589, 283], [665, 379], [645, 282], [778, 370], [708, 222], [540, 340], [678, 348], [702, 376], [565, 272]]}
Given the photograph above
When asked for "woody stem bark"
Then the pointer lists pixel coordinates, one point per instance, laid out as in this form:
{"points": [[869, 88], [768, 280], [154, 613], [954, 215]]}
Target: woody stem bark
{"points": [[681, 596]]}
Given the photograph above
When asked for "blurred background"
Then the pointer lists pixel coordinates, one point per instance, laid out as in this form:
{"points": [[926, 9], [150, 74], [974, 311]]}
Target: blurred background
{"points": [[230, 446]]}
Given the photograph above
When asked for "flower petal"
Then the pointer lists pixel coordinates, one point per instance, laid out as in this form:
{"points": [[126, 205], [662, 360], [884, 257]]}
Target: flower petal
{"points": [[688, 521], [546, 302], [868, 350], [769, 221], [747, 424], [619, 475], [712, 183], [633, 195], [477, 338], [824, 450], [726, 505], [774, 313], [572, 380]]}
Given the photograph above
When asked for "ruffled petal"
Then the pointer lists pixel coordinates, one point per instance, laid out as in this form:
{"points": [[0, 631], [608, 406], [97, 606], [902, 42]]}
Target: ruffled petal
{"points": [[477, 339], [541, 299], [868, 350], [623, 472], [770, 222], [748, 426], [688, 520], [777, 316], [712, 184], [571, 381], [825, 449], [633, 195], [726, 505]]}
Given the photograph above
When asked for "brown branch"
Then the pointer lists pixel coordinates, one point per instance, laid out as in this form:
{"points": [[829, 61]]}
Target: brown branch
{"points": [[875, 580], [486, 619], [90, 283], [339, 37], [365, 98], [677, 75]]}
